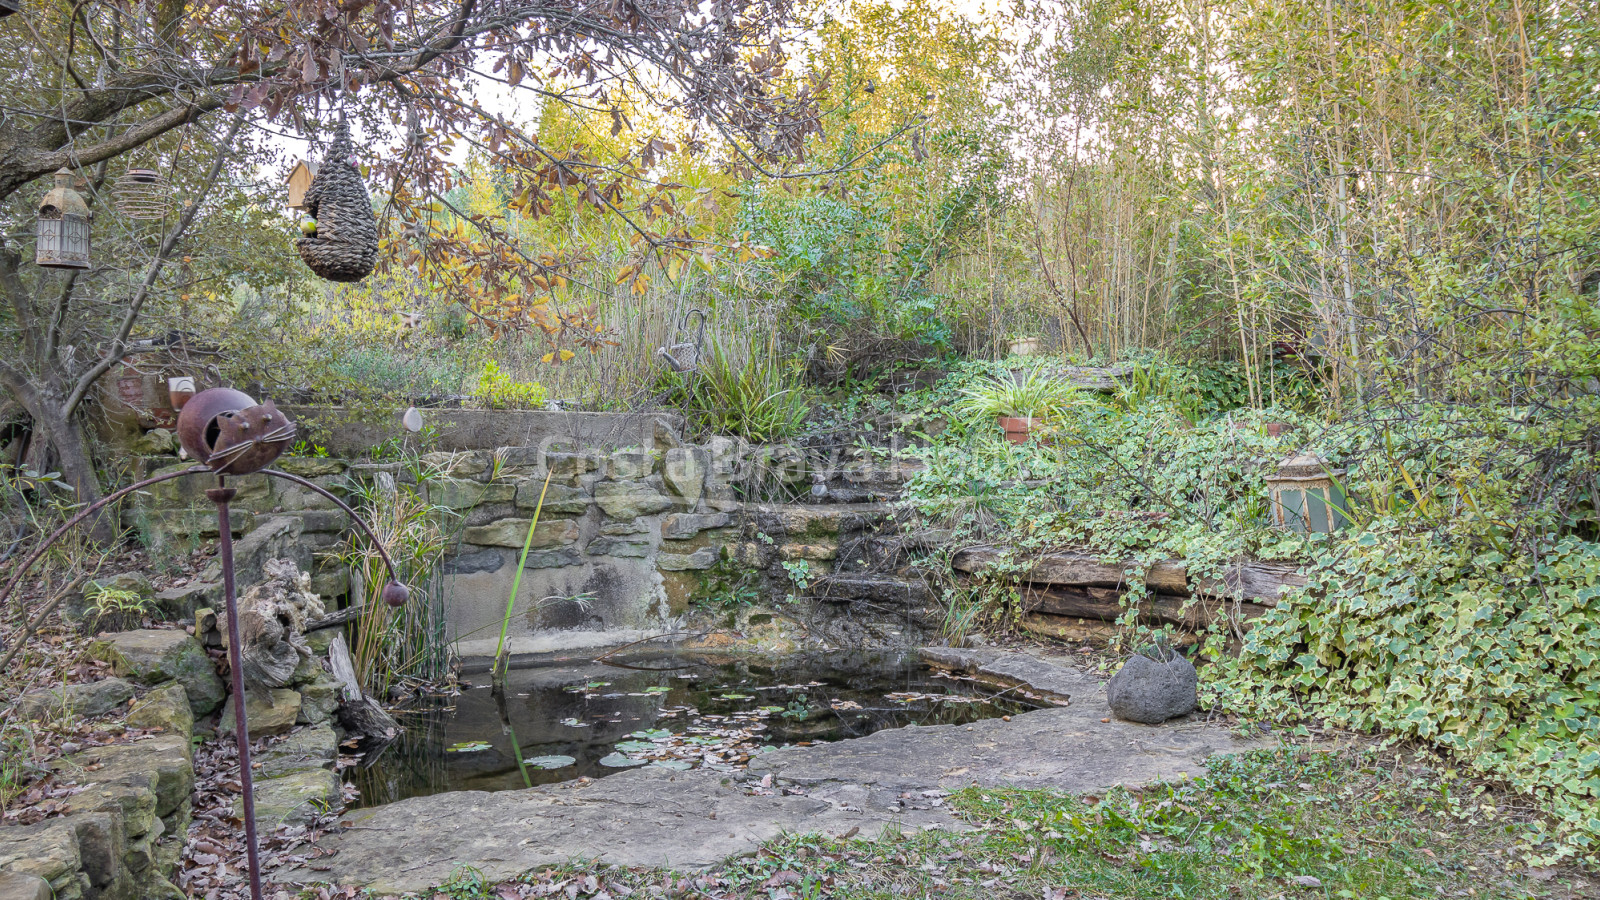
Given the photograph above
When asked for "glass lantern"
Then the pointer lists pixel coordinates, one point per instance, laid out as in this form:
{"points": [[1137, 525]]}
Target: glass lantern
{"points": [[1307, 496], [63, 233]]}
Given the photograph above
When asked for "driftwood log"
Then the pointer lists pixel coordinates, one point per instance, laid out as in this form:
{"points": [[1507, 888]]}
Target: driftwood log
{"points": [[358, 713], [272, 620]]}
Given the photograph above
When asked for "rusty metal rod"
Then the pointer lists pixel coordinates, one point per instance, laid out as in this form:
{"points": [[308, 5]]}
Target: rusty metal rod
{"points": [[220, 495]]}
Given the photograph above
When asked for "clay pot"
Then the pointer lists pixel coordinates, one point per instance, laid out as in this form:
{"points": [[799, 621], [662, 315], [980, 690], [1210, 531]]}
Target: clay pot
{"points": [[1017, 428]]}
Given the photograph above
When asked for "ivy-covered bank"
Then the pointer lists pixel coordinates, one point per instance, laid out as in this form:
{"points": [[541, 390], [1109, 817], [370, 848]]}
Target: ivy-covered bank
{"points": [[1459, 606]]}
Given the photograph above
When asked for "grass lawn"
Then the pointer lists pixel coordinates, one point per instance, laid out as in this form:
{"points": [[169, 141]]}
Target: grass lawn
{"points": [[1289, 823]]}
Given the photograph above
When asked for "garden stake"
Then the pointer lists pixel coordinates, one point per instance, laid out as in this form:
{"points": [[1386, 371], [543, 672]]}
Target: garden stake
{"points": [[229, 434], [220, 495]]}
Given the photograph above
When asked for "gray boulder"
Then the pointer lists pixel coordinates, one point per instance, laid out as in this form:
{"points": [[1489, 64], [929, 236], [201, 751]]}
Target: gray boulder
{"points": [[152, 656], [87, 700], [1153, 686]]}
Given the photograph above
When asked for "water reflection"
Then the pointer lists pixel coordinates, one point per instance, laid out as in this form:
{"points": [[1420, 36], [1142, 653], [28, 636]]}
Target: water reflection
{"points": [[717, 709]]}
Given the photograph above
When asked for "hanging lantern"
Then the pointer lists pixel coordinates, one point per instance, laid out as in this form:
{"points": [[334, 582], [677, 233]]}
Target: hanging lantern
{"points": [[63, 235], [1306, 495], [141, 194]]}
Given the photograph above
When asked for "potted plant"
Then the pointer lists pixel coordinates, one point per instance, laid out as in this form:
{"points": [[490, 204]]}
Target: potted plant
{"points": [[1021, 405]]}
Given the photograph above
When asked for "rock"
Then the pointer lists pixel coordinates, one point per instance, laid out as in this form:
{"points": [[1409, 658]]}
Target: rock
{"points": [[626, 500], [815, 552], [166, 708], [682, 526], [685, 473], [459, 493], [319, 700], [160, 764], [182, 602], [80, 607], [512, 532], [301, 750], [553, 559], [47, 851], [292, 799], [611, 546], [616, 529], [704, 558], [151, 656], [559, 499], [21, 886], [567, 465], [456, 465], [155, 442], [1152, 691], [630, 465], [88, 700], [267, 715], [309, 466]]}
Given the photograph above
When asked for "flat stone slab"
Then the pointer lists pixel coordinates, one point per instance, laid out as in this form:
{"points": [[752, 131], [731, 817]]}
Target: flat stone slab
{"points": [[694, 819]]}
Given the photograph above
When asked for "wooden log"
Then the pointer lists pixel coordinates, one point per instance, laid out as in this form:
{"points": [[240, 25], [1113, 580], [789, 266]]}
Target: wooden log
{"points": [[358, 713], [1250, 580], [1106, 605]]}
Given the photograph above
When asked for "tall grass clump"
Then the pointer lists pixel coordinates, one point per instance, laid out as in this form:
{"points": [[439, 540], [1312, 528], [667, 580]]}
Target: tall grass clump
{"points": [[755, 394], [409, 642]]}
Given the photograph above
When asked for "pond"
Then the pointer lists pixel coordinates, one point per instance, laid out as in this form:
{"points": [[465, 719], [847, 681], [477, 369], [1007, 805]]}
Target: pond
{"points": [[681, 711]]}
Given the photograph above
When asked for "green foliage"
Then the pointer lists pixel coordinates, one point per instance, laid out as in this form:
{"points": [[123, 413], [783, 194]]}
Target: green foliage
{"points": [[799, 572], [755, 394], [728, 585], [116, 609], [497, 390], [1037, 395]]}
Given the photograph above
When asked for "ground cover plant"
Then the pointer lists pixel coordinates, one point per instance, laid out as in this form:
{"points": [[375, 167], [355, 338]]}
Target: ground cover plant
{"points": [[1288, 823]]}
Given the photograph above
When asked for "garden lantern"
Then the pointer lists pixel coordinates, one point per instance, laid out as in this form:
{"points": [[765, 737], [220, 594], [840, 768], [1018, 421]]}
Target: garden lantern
{"points": [[63, 234], [1306, 495], [141, 194]]}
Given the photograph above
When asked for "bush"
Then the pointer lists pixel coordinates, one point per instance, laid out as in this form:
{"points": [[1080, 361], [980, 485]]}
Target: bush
{"points": [[497, 390]]}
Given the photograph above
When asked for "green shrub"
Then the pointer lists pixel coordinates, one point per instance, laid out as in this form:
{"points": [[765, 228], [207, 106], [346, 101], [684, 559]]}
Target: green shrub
{"points": [[1036, 396], [498, 390]]}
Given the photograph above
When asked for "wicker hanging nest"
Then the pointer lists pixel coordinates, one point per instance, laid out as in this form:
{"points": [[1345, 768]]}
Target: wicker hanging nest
{"points": [[345, 245]]}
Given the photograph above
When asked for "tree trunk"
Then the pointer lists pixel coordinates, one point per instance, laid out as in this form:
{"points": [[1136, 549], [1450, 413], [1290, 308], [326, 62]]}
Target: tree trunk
{"points": [[67, 437]]}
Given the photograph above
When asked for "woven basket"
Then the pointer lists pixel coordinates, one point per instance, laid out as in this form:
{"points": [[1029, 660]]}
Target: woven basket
{"points": [[346, 245]]}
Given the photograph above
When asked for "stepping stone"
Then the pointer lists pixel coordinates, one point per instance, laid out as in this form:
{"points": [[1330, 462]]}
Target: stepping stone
{"points": [[292, 799], [267, 715]]}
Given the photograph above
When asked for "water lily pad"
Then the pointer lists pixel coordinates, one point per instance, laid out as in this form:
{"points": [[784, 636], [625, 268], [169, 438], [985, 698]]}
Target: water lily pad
{"points": [[574, 723], [618, 761], [734, 697], [770, 709], [635, 746], [654, 734], [676, 765], [556, 761], [467, 747], [656, 690]]}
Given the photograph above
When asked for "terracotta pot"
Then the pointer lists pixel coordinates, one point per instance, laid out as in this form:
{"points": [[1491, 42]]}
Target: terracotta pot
{"points": [[1017, 429]]}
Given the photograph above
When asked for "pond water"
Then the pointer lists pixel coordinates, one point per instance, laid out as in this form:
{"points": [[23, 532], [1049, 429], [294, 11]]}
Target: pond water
{"points": [[681, 711]]}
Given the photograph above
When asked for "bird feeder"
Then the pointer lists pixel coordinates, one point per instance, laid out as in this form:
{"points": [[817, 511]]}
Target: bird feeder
{"points": [[63, 233], [299, 182], [141, 194], [1306, 495]]}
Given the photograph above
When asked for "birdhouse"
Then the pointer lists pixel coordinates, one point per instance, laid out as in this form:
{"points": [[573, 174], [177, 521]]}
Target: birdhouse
{"points": [[1306, 495], [141, 194], [63, 232], [299, 181]]}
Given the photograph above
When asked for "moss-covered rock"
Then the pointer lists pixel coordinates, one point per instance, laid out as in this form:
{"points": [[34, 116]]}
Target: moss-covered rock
{"points": [[152, 656]]}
